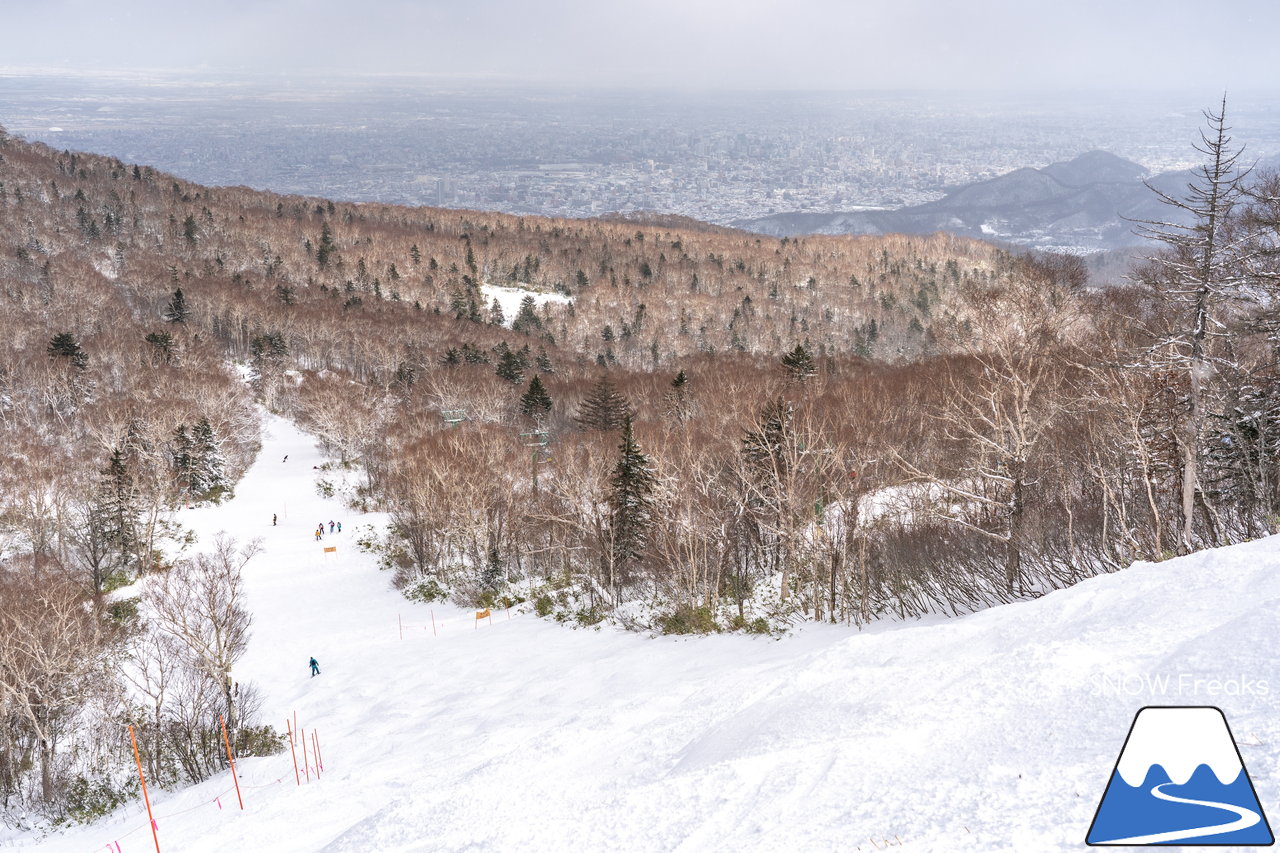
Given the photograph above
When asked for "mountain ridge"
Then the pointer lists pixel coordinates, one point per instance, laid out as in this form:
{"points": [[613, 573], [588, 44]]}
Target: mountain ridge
{"points": [[1085, 204]]}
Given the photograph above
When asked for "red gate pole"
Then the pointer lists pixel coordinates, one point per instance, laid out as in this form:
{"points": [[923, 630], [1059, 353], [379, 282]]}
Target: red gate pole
{"points": [[319, 758], [293, 751], [316, 749], [230, 758], [306, 765], [146, 799]]}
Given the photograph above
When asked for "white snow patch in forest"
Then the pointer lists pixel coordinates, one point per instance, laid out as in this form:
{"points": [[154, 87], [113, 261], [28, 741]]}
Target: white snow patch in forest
{"points": [[106, 267], [511, 297], [992, 731]]}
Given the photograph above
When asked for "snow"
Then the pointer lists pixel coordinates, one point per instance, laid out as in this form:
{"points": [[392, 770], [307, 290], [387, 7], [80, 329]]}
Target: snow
{"points": [[993, 731], [511, 297]]}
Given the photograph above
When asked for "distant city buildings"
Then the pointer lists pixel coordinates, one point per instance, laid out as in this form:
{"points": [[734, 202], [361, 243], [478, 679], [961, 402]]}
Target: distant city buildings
{"points": [[714, 158]]}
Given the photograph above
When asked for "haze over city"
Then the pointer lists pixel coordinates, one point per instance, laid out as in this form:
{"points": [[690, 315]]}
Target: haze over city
{"points": [[747, 44]]}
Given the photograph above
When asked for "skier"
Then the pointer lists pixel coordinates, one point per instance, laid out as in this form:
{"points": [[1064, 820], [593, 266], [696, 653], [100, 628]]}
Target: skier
{"points": [[315, 668], [330, 525], [339, 526], [286, 458], [273, 519]]}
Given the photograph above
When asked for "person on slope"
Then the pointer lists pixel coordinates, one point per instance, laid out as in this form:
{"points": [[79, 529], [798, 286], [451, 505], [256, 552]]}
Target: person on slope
{"points": [[315, 668], [273, 519], [317, 535], [339, 526], [330, 525]]}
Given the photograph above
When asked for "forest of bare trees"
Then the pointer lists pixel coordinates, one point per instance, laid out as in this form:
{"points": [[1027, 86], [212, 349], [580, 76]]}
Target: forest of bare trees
{"points": [[716, 431]]}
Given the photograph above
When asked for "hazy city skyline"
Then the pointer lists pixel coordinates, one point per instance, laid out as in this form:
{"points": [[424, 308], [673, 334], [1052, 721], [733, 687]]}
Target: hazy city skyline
{"points": [[748, 44]]}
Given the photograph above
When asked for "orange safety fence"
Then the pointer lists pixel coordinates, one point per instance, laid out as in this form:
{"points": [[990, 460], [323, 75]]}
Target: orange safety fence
{"points": [[436, 626], [215, 800]]}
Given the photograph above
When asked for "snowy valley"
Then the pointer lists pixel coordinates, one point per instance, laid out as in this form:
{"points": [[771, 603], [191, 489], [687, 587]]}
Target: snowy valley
{"points": [[995, 731]]}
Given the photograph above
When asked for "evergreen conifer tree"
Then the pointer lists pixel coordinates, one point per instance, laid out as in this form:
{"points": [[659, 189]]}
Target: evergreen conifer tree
{"points": [[207, 463], [677, 398], [799, 364], [177, 312], [119, 505], [181, 456], [527, 319], [535, 402], [64, 345], [509, 366], [630, 504], [605, 408]]}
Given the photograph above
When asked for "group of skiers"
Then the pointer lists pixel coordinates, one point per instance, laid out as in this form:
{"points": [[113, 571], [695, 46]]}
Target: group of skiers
{"points": [[320, 529]]}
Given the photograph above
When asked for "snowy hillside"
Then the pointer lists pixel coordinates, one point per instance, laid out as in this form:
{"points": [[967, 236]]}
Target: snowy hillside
{"points": [[997, 731]]}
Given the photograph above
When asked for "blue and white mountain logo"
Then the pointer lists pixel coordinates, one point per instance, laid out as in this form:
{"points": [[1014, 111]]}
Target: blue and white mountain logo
{"points": [[1180, 780]]}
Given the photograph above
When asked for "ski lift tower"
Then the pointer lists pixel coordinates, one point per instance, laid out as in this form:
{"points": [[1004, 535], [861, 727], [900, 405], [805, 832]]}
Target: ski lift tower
{"points": [[538, 440]]}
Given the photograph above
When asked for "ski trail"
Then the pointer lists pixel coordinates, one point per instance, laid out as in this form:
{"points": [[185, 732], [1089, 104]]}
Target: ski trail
{"points": [[1245, 819]]}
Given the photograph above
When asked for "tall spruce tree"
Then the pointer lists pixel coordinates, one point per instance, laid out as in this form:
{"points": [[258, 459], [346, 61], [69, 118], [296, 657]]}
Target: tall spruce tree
{"points": [[527, 319], [605, 408], [677, 397], [630, 505], [510, 365], [207, 462], [535, 402], [64, 345], [177, 310], [118, 503], [799, 364]]}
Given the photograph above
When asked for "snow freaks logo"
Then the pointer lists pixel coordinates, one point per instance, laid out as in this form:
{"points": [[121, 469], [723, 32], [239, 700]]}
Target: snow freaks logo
{"points": [[1182, 684], [1179, 780]]}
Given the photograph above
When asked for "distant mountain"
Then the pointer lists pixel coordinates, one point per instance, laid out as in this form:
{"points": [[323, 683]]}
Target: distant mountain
{"points": [[1081, 204]]}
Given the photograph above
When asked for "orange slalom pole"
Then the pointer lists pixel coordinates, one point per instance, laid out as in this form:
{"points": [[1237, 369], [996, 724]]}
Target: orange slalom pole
{"points": [[319, 757], [231, 758], [306, 765], [316, 750], [292, 751], [146, 799]]}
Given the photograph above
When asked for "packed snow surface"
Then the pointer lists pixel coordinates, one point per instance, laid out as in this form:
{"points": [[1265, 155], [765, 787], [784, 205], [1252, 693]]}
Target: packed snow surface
{"points": [[996, 731]]}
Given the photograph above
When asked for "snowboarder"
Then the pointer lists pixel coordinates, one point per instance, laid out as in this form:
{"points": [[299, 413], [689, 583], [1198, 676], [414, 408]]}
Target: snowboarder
{"points": [[315, 668], [273, 519], [330, 525]]}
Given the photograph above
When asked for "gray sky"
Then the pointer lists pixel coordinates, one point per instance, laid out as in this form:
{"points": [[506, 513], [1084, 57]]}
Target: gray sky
{"points": [[827, 44]]}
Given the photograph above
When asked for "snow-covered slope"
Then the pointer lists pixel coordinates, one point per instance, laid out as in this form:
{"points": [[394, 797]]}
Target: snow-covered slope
{"points": [[997, 731]]}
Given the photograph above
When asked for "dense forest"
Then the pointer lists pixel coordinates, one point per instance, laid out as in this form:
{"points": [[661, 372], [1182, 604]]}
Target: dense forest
{"points": [[681, 429]]}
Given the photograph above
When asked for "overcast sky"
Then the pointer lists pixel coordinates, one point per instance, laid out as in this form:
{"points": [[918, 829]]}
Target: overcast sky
{"points": [[748, 44]]}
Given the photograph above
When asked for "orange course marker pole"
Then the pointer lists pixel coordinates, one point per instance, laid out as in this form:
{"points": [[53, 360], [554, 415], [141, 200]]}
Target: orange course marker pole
{"points": [[315, 749], [231, 758], [146, 799], [294, 752], [306, 765], [319, 758]]}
